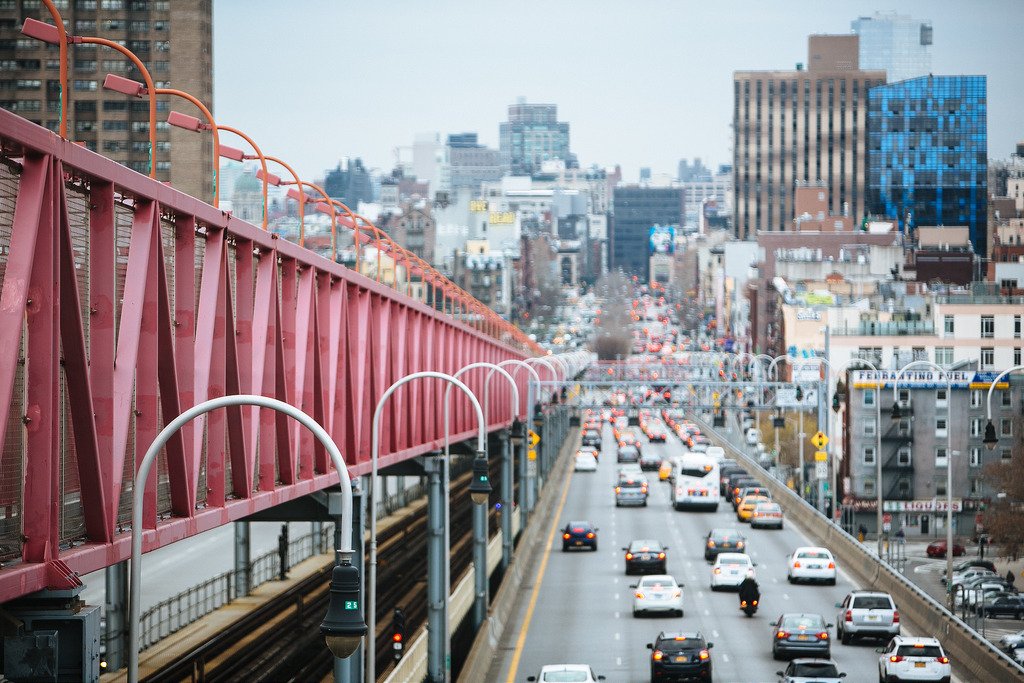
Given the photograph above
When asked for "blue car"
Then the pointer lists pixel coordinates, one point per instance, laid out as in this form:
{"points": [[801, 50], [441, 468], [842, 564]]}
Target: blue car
{"points": [[579, 535]]}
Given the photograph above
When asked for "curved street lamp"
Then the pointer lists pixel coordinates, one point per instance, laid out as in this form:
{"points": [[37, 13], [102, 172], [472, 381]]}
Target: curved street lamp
{"points": [[991, 439], [343, 626]]}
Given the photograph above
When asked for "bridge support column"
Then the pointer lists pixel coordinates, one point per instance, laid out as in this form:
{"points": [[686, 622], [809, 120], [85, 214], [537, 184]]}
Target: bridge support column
{"points": [[506, 499], [437, 601], [115, 632], [480, 578], [351, 670], [243, 558]]}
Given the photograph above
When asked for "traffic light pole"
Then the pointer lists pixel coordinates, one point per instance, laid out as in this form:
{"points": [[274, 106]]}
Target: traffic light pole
{"points": [[437, 602]]}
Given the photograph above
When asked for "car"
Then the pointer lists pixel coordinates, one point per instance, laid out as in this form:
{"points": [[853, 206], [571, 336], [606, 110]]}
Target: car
{"points": [[766, 515], [579, 534], [628, 454], [645, 556], [745, 510], [755, 491], [716, 452], [729, 570], [628, 437], [1002, 605], [631, 491], [867, 613], [681, 656], [738, 487], [592, 438], [938, 549], [973, 574], [631, 470], [1018, 654], [807, 670], [723, 540], [801, 634], [812, 564], [968, 564], [1011, 641], [585, 462], [657, 593], [913, 659], [566, 673], [975, 594], [665, 470], [650, 461]]}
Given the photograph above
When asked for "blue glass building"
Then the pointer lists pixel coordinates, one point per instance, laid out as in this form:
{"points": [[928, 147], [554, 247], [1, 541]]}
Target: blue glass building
{"points": [[928, 153]]}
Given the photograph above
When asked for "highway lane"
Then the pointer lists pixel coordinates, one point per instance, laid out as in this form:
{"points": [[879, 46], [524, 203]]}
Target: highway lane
{"points": [[583, 610]]}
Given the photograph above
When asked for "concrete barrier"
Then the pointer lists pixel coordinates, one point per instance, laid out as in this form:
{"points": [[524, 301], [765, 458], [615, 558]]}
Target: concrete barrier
{"points": [[971, 654]]}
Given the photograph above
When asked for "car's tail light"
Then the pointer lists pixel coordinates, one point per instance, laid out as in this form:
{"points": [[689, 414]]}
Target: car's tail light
{"points": [[743, 603], [823, 635], [618, 489], [629, 556], [639, 595], [942, 660], [677, 594], [895, 658], [895, 616], [718, 570], [565, 536], [831, 565], [661, 556], [590, 534], [704, 655], [755, 603], [796, 565], [739, 544], [711, 544], [849, 615], [782, 634], [657, 655]]}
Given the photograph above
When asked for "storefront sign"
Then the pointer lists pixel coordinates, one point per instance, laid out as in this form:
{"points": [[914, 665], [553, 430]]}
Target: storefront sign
{"points": [[807, 314], [914, 379], [920, 505]]}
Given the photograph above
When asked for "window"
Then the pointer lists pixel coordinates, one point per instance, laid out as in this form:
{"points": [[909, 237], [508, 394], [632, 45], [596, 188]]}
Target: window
{"points": [[903, 396], [869, 397], [941, 399], [869, 487], [85, 126], [903, 456], [115, 105], [85, 65], [112, 4], [113, 146], [976, 398], [163, 166], [138, 26], [86, 85], [988, 326], [869, 427], [1006, 427], [904, 428], [903, 487], [947, 324], [976, 488], [941, 457], [869, 455], [115, 125], [943, 355], [1016, 355], [975, 456], [988, 357], [940, 487], [940, 426], [1016, 327], [977, 426], [1006, 398], [29, 84], [1005, 455]]}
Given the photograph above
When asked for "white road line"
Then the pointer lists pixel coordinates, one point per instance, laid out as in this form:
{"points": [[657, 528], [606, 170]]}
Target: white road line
{"points": [[617, 636], [616, 596], [615, 580], [785, 596], [707, 613], [714, 633], [725, 658], [618, 661], [616, 615]]}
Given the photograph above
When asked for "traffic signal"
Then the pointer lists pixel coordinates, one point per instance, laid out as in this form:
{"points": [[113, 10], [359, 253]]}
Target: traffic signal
{"points": [[835, 402], [398, 633], [799, 394]]}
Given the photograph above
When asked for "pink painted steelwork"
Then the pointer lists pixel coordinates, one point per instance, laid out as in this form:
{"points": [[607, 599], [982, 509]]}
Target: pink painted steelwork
{"points": [[159, 303]]}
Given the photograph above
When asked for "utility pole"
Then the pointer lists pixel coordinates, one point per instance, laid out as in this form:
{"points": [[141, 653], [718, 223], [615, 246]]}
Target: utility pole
{"points": [[823, 418]]}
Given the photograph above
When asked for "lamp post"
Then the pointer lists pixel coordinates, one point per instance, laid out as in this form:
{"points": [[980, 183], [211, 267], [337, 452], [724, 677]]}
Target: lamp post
{"points": [[127, 86], [39, 30], [991, 439], [896, 416], [523, 459], [371, 650], [343, 625]]}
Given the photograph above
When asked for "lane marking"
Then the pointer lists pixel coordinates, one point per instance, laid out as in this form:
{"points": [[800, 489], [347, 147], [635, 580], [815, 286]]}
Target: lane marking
{"points": [[616, 596], [785, 596], [616, 636], [616, 615], [725, 658], [714, 633], [524, 629]]}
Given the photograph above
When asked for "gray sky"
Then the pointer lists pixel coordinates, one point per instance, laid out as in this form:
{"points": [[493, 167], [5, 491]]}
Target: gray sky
{"points": [[642, 82]]}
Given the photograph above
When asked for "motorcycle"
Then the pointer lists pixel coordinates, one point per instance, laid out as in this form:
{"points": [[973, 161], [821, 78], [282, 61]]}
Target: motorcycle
{"points": [[749, 608]]}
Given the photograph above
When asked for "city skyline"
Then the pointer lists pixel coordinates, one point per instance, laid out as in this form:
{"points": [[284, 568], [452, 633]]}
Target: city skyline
{"points": [[628, 95]]}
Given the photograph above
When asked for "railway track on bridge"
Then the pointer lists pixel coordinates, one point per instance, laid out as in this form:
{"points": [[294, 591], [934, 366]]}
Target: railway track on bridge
{"points": [[280, 640]]}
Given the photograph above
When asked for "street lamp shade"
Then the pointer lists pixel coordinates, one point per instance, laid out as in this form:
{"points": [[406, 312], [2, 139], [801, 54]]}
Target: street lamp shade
{"points": [[48, 33], [480, 487], [990, 439], [270, 177], [185, 121], [516, 433], [835, 402], [229, 152], [343, 626], [125, 86], [897, 414], [298, 196], [324, 207]]}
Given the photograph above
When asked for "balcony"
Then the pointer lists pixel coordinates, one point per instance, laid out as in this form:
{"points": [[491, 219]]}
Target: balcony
{"points": [[893, 328], [902, 488], [893, 464], [896, 432]]}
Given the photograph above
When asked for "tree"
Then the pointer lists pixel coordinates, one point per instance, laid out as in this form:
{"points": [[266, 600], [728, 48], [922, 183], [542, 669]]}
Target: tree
{"points": [[611, 329], [544, 292], [1003, 518]]}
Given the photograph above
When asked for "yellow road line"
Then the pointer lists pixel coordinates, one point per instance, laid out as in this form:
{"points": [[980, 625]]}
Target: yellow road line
{"points": [[521, 641]]}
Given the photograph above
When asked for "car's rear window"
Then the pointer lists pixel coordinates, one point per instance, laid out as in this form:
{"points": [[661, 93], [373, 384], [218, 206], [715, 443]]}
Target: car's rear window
{"points": [[871, 602], [565, 677], [802, 622], [630, 485], [813, 554], [645, 546], [673, 646], [919, 651], [814, 670], [735, 560], [657, 583]]}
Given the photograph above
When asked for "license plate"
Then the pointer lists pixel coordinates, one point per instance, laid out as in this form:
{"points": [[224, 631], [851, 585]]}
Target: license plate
{"points": [[579, 542], [814, 566], [803, 637], [679, 658], [872, 617], [657, 596], [645, 557], [918, 665]]}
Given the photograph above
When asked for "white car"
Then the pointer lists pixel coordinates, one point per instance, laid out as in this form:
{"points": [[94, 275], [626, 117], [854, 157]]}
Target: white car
{"points": [[1011, 641], [730, 569], [913, 659], [566, 673], [657, 593], [812, 564], [631, 470], [585, 462]]}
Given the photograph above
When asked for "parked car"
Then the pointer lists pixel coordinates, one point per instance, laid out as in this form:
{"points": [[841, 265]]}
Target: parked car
{"points": [[867, 613], [938, 549], [677, 656], [580, 534], [968, 564], [1012, 640], [657, 593], [917, 659], [1002, 605], [801, 634], [806, 670]]}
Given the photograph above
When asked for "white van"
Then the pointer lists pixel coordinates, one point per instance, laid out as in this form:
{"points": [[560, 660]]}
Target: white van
{"points": [[753, 436], [716, 452]]}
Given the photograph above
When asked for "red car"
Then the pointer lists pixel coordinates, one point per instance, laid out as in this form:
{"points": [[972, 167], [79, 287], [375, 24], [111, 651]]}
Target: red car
{"points": [[938, 549]]}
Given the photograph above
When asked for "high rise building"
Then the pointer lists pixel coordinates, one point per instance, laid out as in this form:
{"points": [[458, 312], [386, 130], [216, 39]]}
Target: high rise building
{"points": [[801, 126], [349, 182], [174, 41], [896, 44], [532, 135], [928, 153], [638, 208], [470, 163]]}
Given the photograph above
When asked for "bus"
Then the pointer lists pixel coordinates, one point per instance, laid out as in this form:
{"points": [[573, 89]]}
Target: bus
{"points": [[697, 482]]}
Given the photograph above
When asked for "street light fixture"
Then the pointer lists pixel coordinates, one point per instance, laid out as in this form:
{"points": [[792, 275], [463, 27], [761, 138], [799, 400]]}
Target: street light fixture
{"points": [[343, 626], [480, 487], [991, 439], [897, 414]]}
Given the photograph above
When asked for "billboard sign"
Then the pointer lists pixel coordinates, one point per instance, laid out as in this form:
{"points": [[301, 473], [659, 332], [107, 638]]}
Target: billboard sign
{"points": [[662, 239], [926, 379]]}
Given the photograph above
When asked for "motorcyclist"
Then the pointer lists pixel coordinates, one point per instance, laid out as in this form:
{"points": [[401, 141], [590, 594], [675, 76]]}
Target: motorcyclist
{"points": [[749, 591]]}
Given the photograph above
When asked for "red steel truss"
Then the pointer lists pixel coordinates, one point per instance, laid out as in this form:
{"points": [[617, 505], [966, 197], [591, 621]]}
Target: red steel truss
{"points": [[125, 301]]}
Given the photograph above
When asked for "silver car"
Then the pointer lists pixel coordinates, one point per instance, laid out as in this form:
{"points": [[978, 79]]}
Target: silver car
{"points": [[630, 491], [806, 670], [867, 613]]}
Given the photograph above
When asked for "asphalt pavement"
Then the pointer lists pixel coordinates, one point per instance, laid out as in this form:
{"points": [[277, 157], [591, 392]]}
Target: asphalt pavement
{"points": [[577, 607]]}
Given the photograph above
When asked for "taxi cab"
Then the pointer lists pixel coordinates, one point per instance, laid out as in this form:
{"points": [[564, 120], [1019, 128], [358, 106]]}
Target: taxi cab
{"points": [[745, 510]]}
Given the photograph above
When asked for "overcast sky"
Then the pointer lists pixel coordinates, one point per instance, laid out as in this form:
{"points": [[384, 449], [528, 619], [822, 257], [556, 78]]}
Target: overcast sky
{"points": [[641, 82]]}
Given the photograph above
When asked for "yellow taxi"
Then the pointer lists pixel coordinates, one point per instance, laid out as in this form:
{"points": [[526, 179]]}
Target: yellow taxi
{"points": [[665, 471], [746, 508]]}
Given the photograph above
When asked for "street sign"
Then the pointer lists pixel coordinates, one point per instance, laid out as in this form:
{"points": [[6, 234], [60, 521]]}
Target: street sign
{"points": [[531, 454], [886, 527], [531, 468], [886, 518], [821, 470], [820, 456], [819, 440], [534, 438]]}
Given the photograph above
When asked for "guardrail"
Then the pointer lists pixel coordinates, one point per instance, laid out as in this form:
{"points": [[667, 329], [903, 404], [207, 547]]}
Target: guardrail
{"points": [[967, 648]]}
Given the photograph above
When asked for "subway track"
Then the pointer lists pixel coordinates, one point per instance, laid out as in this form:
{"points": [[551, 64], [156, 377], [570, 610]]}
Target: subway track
{"points": [[281, 641]]}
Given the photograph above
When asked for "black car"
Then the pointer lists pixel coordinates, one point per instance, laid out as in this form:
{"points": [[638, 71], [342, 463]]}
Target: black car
{"points": [[804, 635], [646, 556], [592, 438], [629, 454], [650, 461], [680, 656], [723, 540], [1002, 606], [579, 535]]}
